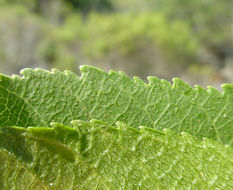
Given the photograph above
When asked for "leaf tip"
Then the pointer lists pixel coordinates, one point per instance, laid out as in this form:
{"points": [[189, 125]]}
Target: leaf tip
{"points": [[26, 72], [153, 80], [166, 83], [139, 81], [227, 89], [89, 68], [213, 90], [199, 89], [181, 85]]}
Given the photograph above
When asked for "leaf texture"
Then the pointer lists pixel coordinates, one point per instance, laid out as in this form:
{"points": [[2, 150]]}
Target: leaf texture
{"points": [[96, 155], [40, 97]]}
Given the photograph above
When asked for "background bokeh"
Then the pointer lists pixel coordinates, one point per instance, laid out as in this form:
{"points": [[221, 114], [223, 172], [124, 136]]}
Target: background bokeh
{"points": [[192, 40]]}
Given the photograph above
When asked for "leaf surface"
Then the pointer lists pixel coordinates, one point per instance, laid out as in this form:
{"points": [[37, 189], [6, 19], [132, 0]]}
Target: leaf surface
{"points": [[96, 155], [40, 97]]}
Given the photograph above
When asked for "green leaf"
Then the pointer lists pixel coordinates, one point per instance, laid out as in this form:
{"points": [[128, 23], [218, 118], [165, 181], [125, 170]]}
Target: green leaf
{"points": [[102, 156], [98, 156], [40, 97]]}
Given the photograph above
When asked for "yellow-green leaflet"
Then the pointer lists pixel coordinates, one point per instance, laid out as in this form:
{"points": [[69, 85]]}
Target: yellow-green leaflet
{"points": [[97, 156]]}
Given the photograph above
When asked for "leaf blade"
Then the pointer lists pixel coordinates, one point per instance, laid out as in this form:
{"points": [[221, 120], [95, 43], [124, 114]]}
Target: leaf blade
{"points": [[122, 156], [45, 96]]}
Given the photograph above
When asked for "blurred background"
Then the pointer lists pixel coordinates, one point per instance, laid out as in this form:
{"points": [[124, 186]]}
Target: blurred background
{"points": [[192, 40]]}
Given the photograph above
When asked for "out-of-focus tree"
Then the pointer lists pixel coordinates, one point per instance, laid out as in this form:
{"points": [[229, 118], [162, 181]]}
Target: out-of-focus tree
{"points": [[29, 4], [22, 34], [19, 35], [210, 20], [119, 39], [80, 5], [139, 37], [88, 5]]}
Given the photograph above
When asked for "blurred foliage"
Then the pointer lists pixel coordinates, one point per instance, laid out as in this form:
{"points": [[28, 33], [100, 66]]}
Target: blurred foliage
{"points": [[19, 36], [87, 5], [211, 22], [100, 34], [67, 33]]}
